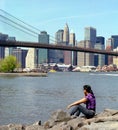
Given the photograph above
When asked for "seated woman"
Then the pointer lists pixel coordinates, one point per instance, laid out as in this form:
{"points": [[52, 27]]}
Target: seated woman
{"points": [[90, 102]]}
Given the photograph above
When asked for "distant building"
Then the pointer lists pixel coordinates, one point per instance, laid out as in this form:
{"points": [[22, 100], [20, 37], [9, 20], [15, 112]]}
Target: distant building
{"points": [[85, 59], [59, 36], [31, 58], [68, 57], [66, 38], [58, 56], [114, 41], [90, 35], [115, 58], [62, 37], [72, 39], [72, 42], [9, 50], [2, 49], [66, 34], [99, 59], [43, 53], [109, 47], [100, 39], [20, 55]]}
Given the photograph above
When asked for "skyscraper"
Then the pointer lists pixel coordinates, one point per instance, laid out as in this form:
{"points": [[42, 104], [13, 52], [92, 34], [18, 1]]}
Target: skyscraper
{"points": [[20, 54], [99, 59], [115, 58], [43, 53], [90, 34], [100, 39], [59, 54], [72, 39], [2, 49], [67, 54], [31, 61], [72, 43], [115, 41], [66, 34], [85, 59], [59, 36], [109, 47], [9, 50]]}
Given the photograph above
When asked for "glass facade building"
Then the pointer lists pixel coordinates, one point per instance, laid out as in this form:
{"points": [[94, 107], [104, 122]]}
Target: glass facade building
{"points": [[42, 56], [100, 39], [99, 59], [115, 41], [2, 49], [90, 35]]}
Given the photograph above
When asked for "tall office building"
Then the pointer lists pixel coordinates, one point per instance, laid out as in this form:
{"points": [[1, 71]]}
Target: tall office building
{"points": [[67, 54], [99, 59], [2, 49], [31, 58], [115, 58], [100, 39], [109, 47], [90, 34], [58, 54], [43, 53], [20, 55], [72, 43], [67, 57], [59, 36], [90, 40], [66, 34], [72, 39], [114, 41], [85, 59], [9, 50]]}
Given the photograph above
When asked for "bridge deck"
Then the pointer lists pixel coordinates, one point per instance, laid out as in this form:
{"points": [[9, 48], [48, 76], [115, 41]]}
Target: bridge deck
{"points": [[52, 46]]}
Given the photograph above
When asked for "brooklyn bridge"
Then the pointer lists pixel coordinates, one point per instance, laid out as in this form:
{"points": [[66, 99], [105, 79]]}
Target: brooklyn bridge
{"points": [[4, 43], [16, 23]]}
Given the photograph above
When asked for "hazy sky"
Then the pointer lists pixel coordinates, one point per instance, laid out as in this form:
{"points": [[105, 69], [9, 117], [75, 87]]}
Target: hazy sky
{"points": [[51, 15]]}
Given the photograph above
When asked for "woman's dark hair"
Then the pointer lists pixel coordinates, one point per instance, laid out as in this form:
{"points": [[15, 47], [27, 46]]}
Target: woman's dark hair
{"points": [[88, 89]]}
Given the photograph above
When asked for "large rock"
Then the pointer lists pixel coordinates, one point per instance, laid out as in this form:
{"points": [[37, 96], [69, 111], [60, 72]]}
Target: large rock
{"points": [[60, 115], [57, 117], [60, 120], [101, 126], [11, 127]]}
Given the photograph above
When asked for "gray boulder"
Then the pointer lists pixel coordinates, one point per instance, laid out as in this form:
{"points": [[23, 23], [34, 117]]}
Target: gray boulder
{"points": [[60, 120]]}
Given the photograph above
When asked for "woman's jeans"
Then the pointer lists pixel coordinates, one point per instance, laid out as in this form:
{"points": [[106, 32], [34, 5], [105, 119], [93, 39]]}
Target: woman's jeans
{"points": [[76, 110]]}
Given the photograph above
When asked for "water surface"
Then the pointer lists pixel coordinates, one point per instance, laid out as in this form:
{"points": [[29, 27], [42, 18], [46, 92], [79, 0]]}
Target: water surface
{"points": [[29, 99]]}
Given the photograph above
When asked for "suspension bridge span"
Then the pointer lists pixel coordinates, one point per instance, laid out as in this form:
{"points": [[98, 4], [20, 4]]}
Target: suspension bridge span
{"points": [[54, 46]]}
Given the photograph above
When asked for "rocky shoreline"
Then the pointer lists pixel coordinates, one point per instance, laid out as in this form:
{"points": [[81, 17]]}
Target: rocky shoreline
{"points": [[60, 120]]}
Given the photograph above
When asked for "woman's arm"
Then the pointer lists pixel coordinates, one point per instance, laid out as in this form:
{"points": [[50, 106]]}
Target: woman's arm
{"points": [[83, 100]]}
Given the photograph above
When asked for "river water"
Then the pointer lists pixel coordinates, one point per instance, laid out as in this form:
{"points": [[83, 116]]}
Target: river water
{"points": [[29, 99]]}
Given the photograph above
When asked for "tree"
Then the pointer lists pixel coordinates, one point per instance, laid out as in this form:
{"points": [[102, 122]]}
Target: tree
{"points": [[8, 64]]}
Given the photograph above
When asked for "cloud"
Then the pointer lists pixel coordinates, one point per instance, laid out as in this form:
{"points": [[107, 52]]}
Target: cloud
{"points": [[80, 16]]}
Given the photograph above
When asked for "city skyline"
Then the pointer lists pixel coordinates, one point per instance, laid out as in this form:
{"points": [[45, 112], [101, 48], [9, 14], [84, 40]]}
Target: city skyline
{"points": [[51, 16]]}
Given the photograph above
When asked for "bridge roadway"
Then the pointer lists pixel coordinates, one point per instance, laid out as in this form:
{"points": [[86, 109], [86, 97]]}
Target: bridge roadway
{"points": [[53, 46]]}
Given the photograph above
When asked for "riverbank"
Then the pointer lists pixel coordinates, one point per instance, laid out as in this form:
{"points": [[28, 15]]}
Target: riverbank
{"points": [[32, 74], [60, 120]]}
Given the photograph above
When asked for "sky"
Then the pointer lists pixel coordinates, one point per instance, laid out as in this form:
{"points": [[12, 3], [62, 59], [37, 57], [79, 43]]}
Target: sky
{"points": [[52, 15]]}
